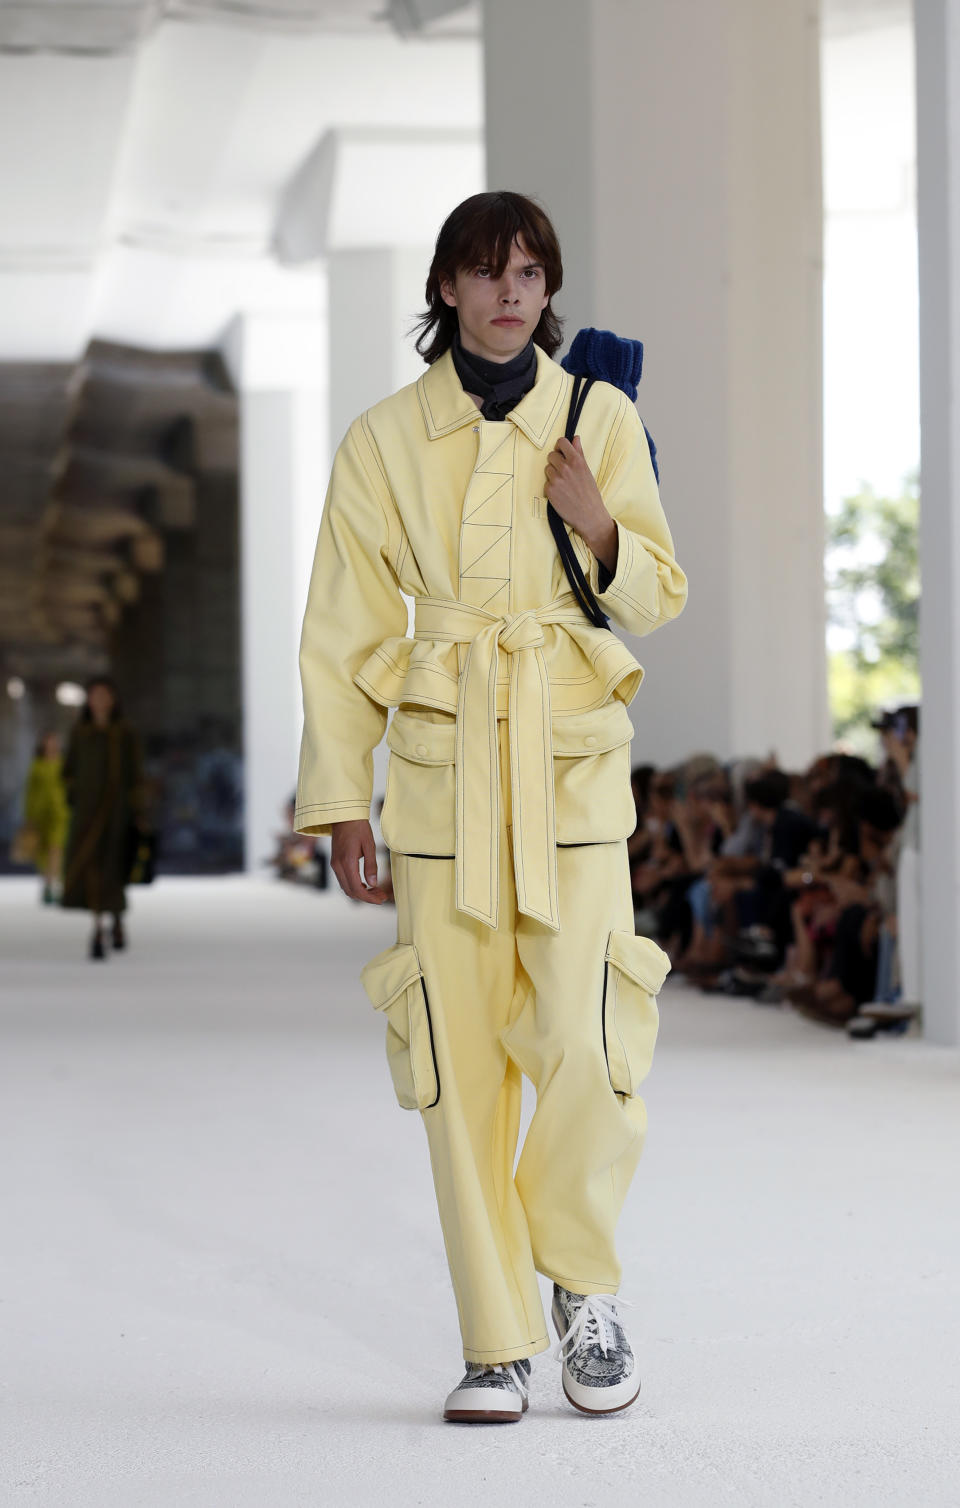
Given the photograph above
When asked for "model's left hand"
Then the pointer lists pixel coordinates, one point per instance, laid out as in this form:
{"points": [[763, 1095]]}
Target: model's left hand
{"points": [[573, 491]]}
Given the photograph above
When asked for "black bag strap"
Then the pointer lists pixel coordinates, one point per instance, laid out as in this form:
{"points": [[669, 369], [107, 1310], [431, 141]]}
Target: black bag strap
{"points": [[579, 584]]}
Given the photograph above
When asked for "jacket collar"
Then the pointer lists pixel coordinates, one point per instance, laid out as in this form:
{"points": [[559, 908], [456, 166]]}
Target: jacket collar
{"points": [[446, 407]]}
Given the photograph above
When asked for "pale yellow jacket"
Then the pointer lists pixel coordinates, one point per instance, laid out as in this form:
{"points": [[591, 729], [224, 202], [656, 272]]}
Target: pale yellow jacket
{"points": [[428, 499]]}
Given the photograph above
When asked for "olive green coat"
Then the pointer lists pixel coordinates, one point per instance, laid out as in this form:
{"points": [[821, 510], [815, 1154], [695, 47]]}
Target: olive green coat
{"points": [[102, 774]]}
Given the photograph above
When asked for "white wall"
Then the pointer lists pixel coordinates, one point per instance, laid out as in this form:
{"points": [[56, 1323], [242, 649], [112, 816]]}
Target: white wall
{"points": [[871, 379], [683, 174]]}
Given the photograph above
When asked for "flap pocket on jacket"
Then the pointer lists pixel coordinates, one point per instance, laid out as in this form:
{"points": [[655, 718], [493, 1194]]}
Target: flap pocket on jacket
{"points": [[595, 732], [591, 775], [634, 972], [394, 982], [421, 739], [420, 802]]}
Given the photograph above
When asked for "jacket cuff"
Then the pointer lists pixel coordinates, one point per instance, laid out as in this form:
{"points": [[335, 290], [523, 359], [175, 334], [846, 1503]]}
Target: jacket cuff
{"points": [[603, 580], [318, 820]]}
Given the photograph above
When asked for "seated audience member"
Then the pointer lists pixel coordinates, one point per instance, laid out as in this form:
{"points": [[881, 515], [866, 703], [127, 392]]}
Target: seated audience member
{"points": [[711, 896], [778, 886], [640, 842], [701, 820], [297, 857], [751, 880], [899, 733], [641, 782], [863, 895], [657, 855]]}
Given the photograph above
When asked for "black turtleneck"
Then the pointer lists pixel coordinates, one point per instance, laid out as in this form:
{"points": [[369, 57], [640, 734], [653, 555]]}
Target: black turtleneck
{"points": [[500, 384]]}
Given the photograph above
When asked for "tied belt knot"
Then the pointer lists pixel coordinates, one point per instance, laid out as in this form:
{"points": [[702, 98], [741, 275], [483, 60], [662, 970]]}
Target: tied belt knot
{"points": [[529, 726], [520, 631]]}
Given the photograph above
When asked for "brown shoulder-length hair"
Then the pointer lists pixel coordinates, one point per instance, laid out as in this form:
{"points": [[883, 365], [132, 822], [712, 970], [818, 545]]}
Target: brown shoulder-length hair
{"points": [[481, 232]]}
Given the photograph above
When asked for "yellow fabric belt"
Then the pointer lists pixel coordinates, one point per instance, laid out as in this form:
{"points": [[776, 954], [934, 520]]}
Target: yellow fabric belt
{"points": [[520, 637]]}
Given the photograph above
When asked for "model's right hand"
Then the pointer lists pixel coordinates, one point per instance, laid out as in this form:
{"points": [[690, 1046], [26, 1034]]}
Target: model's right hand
{"points": [[351, 842]]}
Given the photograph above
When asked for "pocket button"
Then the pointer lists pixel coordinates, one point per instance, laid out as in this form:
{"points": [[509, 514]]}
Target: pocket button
{"points": [[422, 750], [590, 741]]}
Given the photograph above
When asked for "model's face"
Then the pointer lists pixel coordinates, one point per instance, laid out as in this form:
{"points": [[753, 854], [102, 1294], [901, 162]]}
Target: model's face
{"points": [[100, 701], [498, 315]]}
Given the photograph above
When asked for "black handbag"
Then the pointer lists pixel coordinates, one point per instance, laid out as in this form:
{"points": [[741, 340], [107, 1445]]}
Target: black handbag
{"points": [[141, 856]]}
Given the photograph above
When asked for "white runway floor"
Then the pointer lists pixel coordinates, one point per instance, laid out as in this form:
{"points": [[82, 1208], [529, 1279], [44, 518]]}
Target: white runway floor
{"points": [[222, 1279]]}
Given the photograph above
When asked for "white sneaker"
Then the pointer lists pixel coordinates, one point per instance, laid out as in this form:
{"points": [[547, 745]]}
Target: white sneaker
{"points": [[599, 1369], [490, 1395], [882, 1010]]}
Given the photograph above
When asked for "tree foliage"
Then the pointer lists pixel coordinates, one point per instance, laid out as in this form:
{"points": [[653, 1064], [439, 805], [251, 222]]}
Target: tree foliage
{"points": [[873, 599]]}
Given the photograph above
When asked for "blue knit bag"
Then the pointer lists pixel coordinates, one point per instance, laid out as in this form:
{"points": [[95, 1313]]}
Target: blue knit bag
{"points": [[601, 356], [595, 356]]}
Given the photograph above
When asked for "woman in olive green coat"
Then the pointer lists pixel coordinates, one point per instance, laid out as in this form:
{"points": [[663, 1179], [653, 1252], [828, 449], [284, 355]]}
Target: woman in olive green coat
{"points": [[102, 774]]}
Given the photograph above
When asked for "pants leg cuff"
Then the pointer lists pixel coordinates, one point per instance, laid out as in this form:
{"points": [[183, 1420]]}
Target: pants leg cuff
{"points": [[581, 1285], [507, 1353]]}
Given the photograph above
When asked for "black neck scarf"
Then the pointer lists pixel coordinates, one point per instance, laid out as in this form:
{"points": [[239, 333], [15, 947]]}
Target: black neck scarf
{"points": [[500, 384]]}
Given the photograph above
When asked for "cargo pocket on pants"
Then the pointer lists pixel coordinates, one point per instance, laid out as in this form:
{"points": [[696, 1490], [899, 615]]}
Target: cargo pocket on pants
{"points": [[634, 971], [394, 982]]}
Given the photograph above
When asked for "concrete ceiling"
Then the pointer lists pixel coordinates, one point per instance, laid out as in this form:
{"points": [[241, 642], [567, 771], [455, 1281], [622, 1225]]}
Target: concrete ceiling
{"points": [[147, 146], [147, 151], [141, 178], [100, 28]]}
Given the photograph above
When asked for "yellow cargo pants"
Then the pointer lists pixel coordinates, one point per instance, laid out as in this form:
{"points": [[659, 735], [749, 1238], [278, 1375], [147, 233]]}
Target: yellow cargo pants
{"points": [[469, 1010]]}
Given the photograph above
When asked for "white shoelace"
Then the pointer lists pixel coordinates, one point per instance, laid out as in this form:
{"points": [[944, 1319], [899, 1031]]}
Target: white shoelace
{"points": [[515, 1370], [592, 1325]]}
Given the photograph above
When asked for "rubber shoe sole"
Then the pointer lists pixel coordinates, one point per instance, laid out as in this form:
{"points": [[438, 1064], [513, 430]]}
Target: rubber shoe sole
{"points": [[469, 1415], [585, 1404], [878, 1011]]}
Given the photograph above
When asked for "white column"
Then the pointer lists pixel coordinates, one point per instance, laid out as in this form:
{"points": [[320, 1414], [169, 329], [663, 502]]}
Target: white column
{"points": [[938, 213], [280, 369], [375, 294], [677, 149]]}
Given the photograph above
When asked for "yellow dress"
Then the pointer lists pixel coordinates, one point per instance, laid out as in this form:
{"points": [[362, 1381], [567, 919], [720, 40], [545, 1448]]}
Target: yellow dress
{"points": [[46, 808]]}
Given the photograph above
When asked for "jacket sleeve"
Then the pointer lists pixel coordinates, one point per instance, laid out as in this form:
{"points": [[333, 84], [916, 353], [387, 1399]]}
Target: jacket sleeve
{"points": [[354, 603], [648, 588]]}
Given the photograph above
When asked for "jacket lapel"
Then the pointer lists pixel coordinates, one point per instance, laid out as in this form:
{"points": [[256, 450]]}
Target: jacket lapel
{"points": [[539, 410], [443, 403]]}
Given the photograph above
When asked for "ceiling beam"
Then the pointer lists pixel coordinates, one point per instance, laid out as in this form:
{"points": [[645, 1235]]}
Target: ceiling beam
{"points": [[76, 27]]}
